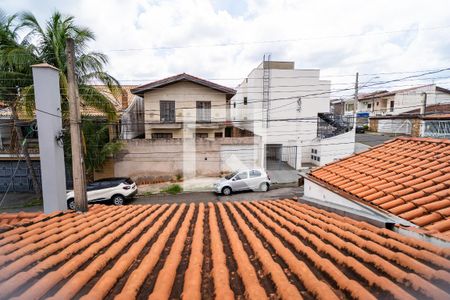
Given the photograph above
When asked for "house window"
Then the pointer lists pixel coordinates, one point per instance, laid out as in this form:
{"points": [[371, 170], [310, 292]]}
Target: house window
{"points": [[391, 107], [369, 105], [161, 135], [245, 100], [349, 107], [203, 111], [218, 134], [378, 103], [201, 135], [234, 104], [167, 111]]}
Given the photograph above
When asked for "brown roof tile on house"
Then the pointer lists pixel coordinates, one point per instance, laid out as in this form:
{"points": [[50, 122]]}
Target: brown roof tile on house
{"points": [[260, 249], [140, 90], [408, 177]]}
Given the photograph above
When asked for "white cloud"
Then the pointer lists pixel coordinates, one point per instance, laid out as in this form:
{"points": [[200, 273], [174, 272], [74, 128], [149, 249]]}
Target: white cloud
{"points": [[139, 24]]}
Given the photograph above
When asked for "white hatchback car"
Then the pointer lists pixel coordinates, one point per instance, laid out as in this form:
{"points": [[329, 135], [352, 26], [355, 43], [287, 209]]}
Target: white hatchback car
{"points": [[116, 189], [250, 179]]}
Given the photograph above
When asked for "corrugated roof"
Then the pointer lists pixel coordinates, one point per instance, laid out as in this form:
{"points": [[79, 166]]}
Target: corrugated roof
{"points": [[408, 177], [257, 250], [140, 90]]}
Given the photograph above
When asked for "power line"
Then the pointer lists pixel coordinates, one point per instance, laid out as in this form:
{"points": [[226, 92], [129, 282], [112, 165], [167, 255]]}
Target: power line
{"points": [[239, 43]]}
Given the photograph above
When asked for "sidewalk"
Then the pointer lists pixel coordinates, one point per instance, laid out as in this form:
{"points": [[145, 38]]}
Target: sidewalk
{"points": [[198, 184], [16, 202]]}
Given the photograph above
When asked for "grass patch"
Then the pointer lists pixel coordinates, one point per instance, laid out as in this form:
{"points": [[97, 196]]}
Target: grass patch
{"points": [[173, 189], [34, 202], [148, 193]]}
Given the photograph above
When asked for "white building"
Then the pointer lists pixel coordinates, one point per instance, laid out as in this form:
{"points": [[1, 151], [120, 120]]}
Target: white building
{"points": [[402, 101], [281, 104]]}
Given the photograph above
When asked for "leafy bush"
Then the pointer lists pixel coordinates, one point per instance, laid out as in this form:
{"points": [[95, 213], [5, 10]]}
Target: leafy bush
{"points": [[173, 189]]}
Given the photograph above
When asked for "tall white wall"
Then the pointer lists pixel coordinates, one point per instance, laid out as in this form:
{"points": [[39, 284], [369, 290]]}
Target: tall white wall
{"points": [[286, 87]]}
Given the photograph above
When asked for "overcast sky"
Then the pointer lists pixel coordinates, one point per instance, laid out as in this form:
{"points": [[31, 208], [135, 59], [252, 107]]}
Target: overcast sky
{"points": [[223, 40]]}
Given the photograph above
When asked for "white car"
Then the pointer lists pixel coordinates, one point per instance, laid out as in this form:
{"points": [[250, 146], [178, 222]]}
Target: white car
{"points": [[116, 190], [250, 179]]}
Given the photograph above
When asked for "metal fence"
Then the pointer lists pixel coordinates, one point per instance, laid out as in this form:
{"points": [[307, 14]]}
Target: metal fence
{"points": [[329, 125]]}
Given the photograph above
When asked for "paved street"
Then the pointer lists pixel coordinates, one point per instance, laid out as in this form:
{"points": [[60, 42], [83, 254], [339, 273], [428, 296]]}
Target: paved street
{"points": [[275, 193], [372, 139]]}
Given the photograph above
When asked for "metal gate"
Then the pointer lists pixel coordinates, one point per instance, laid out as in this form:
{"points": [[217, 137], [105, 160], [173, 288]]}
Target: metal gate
{"points": [[279, 157], [21, 182]]}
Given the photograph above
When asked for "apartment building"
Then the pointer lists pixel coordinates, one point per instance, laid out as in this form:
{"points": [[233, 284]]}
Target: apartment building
{"points": [[284, 106]]}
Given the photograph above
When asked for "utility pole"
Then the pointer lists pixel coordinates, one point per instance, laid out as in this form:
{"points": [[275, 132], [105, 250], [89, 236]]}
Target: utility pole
{"points": [[355, 106], [79, 176], [423, 108]]}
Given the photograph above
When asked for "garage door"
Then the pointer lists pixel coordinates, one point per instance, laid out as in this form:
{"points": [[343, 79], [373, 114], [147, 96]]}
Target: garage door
{"points": [[233, 157], [21, 181]]}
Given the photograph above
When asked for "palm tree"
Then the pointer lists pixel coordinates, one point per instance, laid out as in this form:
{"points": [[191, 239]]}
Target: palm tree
{"points": [[15, 73], [47, 44], [89, 66]]}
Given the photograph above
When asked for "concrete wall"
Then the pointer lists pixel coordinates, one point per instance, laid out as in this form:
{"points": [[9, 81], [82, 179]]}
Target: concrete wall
{"points": [[324, 151], [315, 191], [185, 95], [397, 126], [153, 158]]}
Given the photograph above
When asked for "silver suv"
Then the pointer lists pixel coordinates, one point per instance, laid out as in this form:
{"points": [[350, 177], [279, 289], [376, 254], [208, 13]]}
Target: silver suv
{"points": [[250, 179]]}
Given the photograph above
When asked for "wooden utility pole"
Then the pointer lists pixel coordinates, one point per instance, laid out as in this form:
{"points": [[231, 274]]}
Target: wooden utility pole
{"points": [[355, 106], [79, 175]]}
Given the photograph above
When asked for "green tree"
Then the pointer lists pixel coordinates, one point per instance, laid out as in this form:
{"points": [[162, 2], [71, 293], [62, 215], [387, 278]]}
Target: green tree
{"points": [[97, 146], [15, 73], [50, 46], [47, 43]]}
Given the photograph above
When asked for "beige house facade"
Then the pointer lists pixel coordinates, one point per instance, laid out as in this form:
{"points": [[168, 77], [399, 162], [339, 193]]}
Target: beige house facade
{"points": [[185, 106]]}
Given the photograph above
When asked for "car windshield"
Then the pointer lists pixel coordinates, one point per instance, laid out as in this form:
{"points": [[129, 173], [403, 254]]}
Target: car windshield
{"points": [[229, 176]]}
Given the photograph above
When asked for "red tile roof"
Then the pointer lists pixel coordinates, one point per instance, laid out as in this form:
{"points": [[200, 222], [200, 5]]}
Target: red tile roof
{"points": [[140, 90], [8, 219], [264, 249], [408, 177]]}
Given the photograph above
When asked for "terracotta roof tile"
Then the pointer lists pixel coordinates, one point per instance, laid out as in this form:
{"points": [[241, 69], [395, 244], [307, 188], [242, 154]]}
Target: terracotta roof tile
{"points": [[261, 249], [15, 218], [401, 176]]}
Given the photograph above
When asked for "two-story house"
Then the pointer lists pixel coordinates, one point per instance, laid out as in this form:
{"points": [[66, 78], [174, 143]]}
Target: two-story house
{"points": [[182, 105], [401, 101]]}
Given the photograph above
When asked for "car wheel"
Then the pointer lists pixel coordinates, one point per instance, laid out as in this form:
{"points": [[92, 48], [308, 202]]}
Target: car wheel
{"points": [[226, 191], [71, 204], [118, 200], [264, 187]]}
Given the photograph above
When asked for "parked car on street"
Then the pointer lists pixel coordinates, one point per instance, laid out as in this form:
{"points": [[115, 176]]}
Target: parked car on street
{"points": [[250, 179], [116, 190], [360, 129]]}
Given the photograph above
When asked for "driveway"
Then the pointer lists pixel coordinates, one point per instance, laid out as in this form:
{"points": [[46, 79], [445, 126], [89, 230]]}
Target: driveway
{"points": [[277, 192]]}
